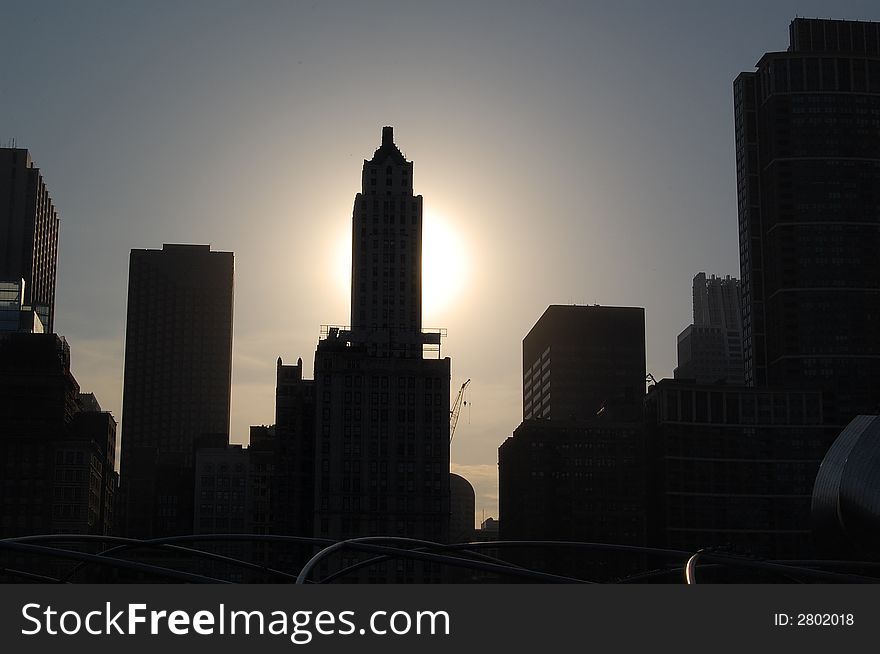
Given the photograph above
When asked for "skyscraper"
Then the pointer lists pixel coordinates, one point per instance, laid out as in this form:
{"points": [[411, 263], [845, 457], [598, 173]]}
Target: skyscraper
{"points": [[710, 349], [582, 361], [575, 468], [382, 407], [808, 174], [293, 495], [178, 375], [716, 301], [28, 233], [386, 271]]}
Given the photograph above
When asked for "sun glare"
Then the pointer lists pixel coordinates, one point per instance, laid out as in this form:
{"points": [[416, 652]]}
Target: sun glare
{"points": [[444, 267]]}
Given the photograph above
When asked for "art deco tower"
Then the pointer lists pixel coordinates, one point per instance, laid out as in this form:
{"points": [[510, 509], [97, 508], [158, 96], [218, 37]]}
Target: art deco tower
{"points": [[386, 279], [382, 408]]}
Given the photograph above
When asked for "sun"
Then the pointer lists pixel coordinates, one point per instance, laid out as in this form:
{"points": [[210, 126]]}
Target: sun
{"points": [[444, 266]]}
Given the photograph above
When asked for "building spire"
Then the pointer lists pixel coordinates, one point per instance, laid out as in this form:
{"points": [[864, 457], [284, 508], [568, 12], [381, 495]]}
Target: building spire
{"points": [[387, 136]]}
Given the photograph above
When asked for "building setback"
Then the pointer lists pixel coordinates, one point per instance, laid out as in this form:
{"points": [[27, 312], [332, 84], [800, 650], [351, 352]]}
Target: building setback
{"points": [[28, 233], [178, 372], [808, 174]]}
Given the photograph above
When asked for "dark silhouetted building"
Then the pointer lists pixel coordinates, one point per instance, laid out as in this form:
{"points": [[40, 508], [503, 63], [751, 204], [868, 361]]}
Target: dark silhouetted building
{"points": [[178, 370], [574, 470], [574, 481], [233, 495], [808, 179], [294, 492], [57, 448], [710, 349], [734, 466], [386, 271], [28, 233], [381, 445], [583, 361], [292, 485]]}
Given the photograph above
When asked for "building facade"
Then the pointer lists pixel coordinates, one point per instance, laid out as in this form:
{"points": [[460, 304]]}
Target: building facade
{"points": [[57, 448], [808, 174], [584, 361], [574, 470], [28, 233], [381, 449], [178, 375], [15, 315], [574, 481], [734, 467], [710, 349]]}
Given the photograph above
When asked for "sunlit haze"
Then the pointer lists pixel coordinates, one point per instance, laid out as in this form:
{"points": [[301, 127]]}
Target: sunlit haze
{"points": [[567, 152]]}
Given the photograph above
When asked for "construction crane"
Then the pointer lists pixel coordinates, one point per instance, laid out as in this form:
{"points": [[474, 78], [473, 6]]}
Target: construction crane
{"points": [[456, 409]]}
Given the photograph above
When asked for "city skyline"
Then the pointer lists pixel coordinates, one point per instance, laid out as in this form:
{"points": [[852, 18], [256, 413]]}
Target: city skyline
{"points": [[140, 166]]}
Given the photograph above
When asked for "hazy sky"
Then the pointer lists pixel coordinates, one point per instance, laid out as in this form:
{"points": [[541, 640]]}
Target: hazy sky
{"points": [[567, 152]]}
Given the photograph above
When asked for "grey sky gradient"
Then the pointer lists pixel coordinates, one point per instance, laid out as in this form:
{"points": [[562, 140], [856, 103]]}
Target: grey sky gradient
{"points": [[581, 151]]}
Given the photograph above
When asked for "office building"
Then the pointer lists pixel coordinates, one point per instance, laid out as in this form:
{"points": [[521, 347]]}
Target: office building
{"points": [[382, 445], [574, 481], [386, 271], [808, 174], [381, 389], [574, 470], [734, 467], [710, 349], [28, 233], [232, 495], [57, 447], [178, 371], [292, 494], [584, 361]]}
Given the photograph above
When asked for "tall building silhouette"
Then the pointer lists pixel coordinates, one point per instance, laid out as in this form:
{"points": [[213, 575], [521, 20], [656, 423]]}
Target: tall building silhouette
{"points": [[710, 349], [808, 174], [178, 375], [386, 271], [382, 403], [574, 470], [292, 504], [583, 361], [28, 233], [57, 448]]}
